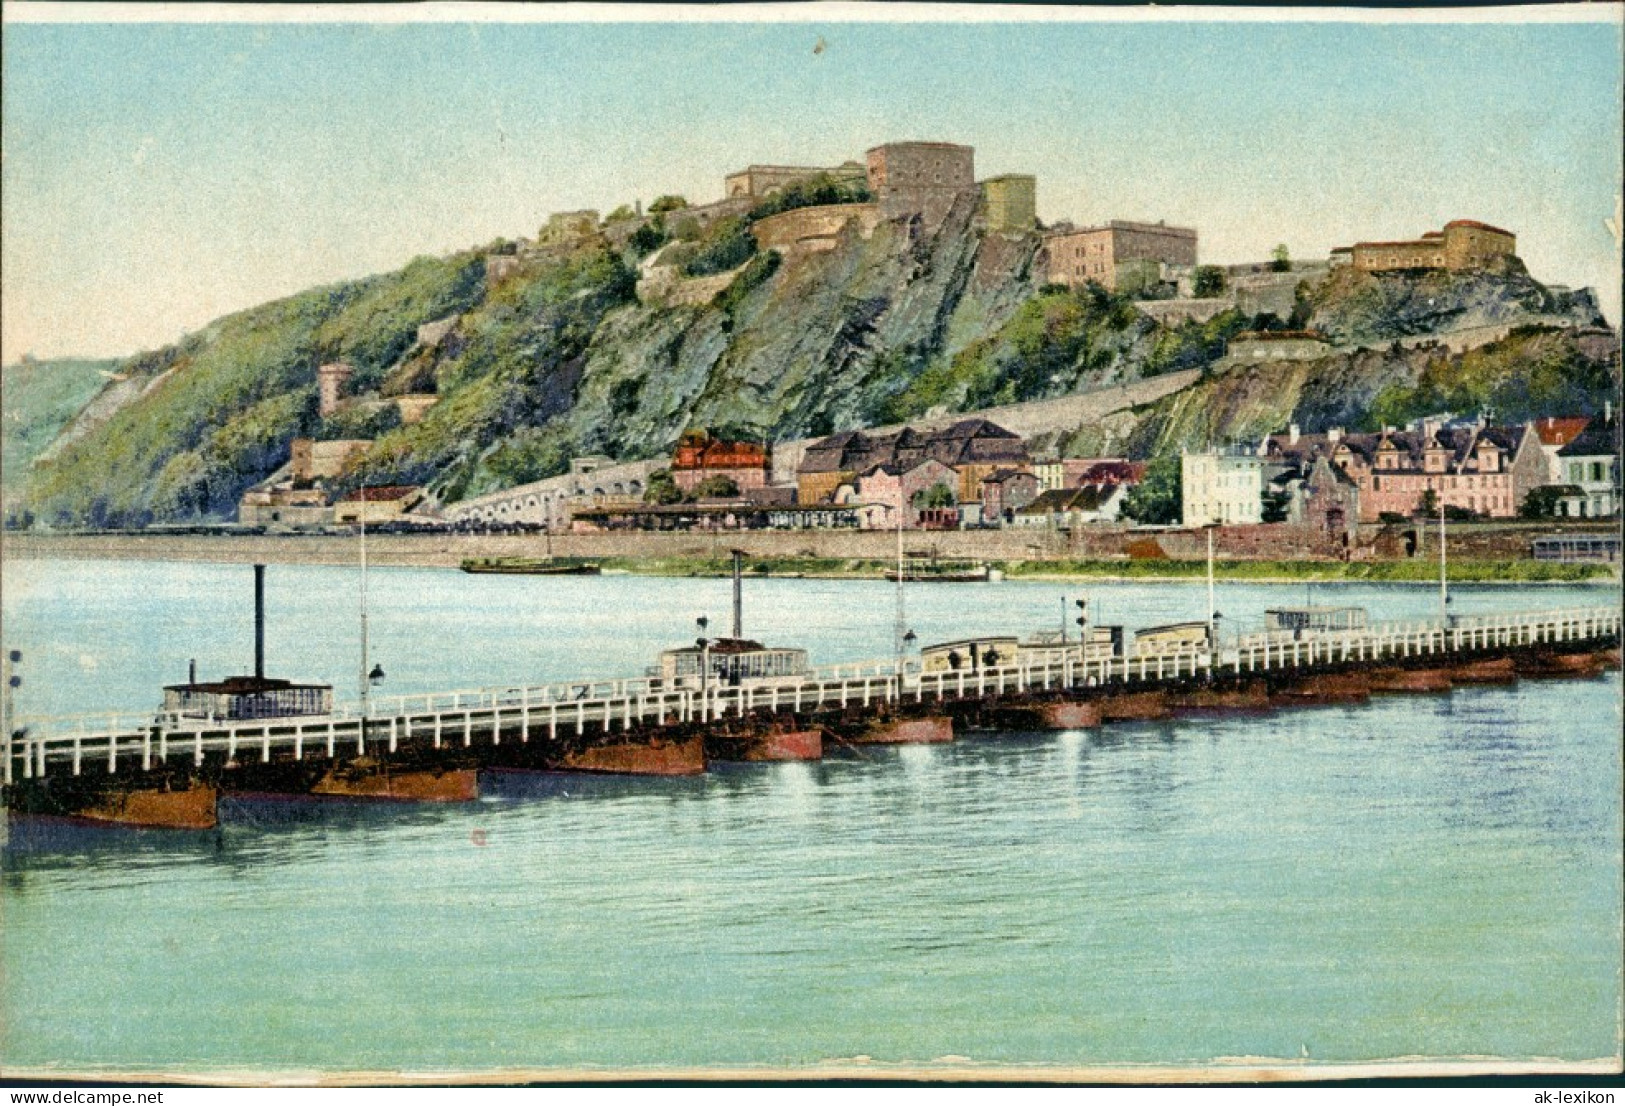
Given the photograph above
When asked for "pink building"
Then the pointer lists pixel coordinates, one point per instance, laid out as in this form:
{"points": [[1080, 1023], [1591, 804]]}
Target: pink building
{"points": [[880, 486], [1487, 470]]}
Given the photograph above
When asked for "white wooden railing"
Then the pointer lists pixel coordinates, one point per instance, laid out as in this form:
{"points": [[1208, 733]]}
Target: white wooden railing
{"points": [[490, 716]]}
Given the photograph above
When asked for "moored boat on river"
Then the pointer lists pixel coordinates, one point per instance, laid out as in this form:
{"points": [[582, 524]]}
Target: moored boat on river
{"points": [[527, 566], [926, 568]]}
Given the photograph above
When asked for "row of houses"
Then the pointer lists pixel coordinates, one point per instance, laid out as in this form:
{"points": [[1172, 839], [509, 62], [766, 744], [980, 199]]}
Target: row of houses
{"points": [[973, 473], [1336, 480]]}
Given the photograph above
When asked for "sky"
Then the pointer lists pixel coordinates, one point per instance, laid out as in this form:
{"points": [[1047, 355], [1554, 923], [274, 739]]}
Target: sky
{"points": [[158, 175]]}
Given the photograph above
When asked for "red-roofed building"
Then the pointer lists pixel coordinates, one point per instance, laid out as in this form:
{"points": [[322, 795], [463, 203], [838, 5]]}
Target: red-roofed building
{"points": [[1087, 471], [1553, 433], [699, 456]]}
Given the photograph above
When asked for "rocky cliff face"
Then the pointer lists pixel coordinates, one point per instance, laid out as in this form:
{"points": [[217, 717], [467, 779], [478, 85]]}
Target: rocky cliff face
{"points": [[1355, 308], [1534, 371], [817, 346]]}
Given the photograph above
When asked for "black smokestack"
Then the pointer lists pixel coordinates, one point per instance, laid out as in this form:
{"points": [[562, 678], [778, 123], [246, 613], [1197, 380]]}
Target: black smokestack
{"points": [[259, 622], [739, 606]]}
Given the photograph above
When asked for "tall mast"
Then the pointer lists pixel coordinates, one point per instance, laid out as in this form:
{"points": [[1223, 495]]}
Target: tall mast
{"points": [[901, 626], [1444, 589], [365, 683], [1210, 627]]}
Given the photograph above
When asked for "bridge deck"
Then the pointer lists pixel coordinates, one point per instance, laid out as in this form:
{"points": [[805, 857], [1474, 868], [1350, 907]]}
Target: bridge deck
{"points": [[490, 716]]}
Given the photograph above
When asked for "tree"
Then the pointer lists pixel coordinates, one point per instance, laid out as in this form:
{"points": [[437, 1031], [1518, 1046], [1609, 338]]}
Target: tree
{"points": [[1542, 502], [1274, 504], [621, 214], [728, 244], [1429, 503], [935, 497], [812, 192], [716, 487], [1280, 260], [664, 204], [1157, 500], [1210, 282], [648, 238], [662, 490]]}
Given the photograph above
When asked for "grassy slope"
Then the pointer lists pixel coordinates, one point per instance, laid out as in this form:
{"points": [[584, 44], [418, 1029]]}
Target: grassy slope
{"points": [[37, 399], [236, 394]]}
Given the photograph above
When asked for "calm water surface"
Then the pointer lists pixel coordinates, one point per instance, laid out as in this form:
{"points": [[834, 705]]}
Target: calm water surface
{"points": [[1418, 876]]}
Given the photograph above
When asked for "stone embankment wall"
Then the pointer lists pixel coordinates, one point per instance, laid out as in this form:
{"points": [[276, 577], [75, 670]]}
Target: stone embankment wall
{"points": [[1471, 337], [1276, 293], [448, 550], [1174, 312]]}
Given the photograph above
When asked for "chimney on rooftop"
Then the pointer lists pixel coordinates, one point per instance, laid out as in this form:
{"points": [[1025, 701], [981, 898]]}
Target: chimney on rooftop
{"points": [[1334, 435], [1292, 434]]}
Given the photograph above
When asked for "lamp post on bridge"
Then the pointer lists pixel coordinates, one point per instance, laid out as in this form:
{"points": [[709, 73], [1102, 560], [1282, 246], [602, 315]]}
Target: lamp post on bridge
{"points": [[8, 706], [1213, 614], [703, 643], [1444, 586], [373, 677]]}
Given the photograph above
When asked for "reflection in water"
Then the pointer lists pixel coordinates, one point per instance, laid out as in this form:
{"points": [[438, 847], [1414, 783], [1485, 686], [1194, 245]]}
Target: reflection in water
{"points": [[520, 785], [44, 843]]}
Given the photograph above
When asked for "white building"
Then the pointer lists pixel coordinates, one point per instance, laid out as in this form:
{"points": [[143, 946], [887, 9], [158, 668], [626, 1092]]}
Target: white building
{"points": [[1591, 466], [1222, 487]]}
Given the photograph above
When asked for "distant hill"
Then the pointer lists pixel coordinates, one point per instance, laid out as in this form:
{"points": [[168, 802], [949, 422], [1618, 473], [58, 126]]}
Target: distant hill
{"points": [[38, 399], [549, 352]]}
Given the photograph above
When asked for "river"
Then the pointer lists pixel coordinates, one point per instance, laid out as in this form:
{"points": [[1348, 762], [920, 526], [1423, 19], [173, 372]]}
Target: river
{"points": [[1424, 876]]}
